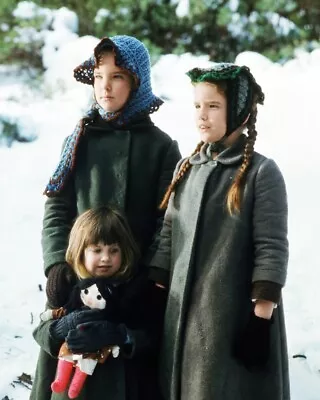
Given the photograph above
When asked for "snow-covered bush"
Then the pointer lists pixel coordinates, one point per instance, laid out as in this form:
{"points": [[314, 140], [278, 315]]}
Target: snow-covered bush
{"points": [[17, 128]]}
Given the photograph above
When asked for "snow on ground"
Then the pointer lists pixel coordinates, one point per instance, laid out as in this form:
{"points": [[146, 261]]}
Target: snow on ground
{"points": [[288, 132]]}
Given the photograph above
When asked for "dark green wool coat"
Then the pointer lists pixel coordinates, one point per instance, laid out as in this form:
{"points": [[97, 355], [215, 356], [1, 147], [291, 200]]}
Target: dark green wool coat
{"points": [[129, 168], [213, 259]]}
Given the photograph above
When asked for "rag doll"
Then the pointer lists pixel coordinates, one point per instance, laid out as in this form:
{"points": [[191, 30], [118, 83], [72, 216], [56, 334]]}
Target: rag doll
{"points": [[93, 293]]}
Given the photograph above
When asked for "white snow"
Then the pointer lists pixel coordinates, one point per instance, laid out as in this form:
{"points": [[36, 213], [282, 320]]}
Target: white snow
{"points": [[183, 7], [288, 131]]}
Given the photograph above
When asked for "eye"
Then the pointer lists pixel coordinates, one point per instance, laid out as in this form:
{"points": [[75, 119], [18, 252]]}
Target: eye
{"points": [[196, 106], [114, 250], [97, 76], [86, 291], [118, 76], [214, 106], [99, 297]]}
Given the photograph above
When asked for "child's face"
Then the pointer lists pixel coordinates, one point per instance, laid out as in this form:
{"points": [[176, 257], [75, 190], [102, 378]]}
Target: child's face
{"points": [[112, 85], [210, 112], [102, 260]]}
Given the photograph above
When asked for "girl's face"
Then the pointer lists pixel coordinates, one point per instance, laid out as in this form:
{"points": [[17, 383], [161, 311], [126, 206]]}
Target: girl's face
{"points": [[211, 112], [112, 85], [102, 260]]}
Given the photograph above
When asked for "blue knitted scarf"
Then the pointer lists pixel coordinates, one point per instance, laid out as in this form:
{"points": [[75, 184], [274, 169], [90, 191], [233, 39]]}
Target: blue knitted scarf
{"points": [[68, 155]]}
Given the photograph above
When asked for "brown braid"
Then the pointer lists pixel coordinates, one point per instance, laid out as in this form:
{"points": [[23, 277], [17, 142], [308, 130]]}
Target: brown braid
{"points": [[181, 173], [234, 194]]}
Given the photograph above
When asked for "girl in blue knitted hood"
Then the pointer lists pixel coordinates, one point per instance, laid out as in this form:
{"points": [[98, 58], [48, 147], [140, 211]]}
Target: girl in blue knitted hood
{"points": [[119, 71], [115, 156]]}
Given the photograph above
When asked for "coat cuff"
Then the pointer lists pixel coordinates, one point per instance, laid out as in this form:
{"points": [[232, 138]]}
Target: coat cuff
{"points": [[44, 339], [159, 275], [266, 290]]}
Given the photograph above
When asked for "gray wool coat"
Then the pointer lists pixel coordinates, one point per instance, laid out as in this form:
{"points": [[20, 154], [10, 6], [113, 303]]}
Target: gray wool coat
{"points": [[213, 260]]}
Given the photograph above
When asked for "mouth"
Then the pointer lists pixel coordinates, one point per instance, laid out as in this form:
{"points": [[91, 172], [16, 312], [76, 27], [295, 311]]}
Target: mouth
{"points": [[106, 98], [204, 127], [104, 267]]}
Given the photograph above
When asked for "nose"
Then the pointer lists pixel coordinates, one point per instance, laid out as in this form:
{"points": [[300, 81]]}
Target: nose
{"points": [[201, 113], [107, 84], [203, 116], [105, 256]]}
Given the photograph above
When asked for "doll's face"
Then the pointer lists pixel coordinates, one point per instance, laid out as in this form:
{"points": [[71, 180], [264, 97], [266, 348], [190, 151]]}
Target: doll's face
{"points": [[92, 298], [112, 85], [210, 112], [102, 260]]}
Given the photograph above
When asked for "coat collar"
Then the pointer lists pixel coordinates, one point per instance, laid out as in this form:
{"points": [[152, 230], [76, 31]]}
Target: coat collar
{"points": [[136, 124], [231, 155]]}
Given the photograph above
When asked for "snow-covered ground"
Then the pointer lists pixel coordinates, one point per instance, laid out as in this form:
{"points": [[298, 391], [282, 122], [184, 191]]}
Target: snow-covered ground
{"points": [[288, 131]]}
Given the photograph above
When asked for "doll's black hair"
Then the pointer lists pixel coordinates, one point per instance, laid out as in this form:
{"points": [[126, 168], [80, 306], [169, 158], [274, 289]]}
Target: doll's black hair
{"points": [[106, 288]]}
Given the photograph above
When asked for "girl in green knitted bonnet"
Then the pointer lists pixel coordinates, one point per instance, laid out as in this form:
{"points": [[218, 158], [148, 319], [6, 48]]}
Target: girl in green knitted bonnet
{"points": [[115, 157], [224, 249]]}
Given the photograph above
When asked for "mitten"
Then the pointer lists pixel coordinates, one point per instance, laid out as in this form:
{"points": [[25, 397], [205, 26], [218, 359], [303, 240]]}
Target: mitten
{"points": [[253, 346], [60, 282], [60, 328], [93, 336]]}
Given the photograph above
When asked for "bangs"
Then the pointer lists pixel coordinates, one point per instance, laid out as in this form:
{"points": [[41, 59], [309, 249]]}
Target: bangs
{"points": [[103, 232]]}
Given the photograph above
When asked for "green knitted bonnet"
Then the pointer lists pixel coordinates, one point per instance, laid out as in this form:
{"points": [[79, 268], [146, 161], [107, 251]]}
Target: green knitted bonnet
{"points": [[242, 89]]}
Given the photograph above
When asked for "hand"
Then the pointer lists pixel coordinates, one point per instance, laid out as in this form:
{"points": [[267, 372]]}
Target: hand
{"points": [[93, 336], [253, 346], [61, 327], [60, 282]]}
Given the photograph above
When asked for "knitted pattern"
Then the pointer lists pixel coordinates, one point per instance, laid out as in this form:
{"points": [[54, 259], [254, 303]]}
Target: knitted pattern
{"points": [[132, 55], [241, 90], [68, 155], [60, 282]]}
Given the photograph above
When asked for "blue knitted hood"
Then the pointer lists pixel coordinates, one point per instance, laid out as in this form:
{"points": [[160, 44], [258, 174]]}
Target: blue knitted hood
{"points": [[132, 55]]}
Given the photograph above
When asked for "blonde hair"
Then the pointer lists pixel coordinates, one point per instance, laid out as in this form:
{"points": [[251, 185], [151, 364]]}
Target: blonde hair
{"points": [[105, 225], [234, 195]]}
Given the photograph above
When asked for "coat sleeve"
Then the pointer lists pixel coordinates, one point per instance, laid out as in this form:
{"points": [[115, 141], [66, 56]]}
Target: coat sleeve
{"points": [[145, 307], [44, 339], [158, 257], [168, 166], [270, 220], [59, 214]]}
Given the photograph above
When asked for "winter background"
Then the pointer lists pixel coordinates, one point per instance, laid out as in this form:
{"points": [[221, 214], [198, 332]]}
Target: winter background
{"points": [[288, 128]]}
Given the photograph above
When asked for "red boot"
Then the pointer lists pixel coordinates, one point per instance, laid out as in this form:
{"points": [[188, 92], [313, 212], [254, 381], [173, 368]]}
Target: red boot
{"points": [[77, 383], [63, 374]]}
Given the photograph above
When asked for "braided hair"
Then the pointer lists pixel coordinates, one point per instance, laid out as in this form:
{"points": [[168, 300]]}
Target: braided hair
{"points": [[243, 94], [180, 175], [235, 191]]}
